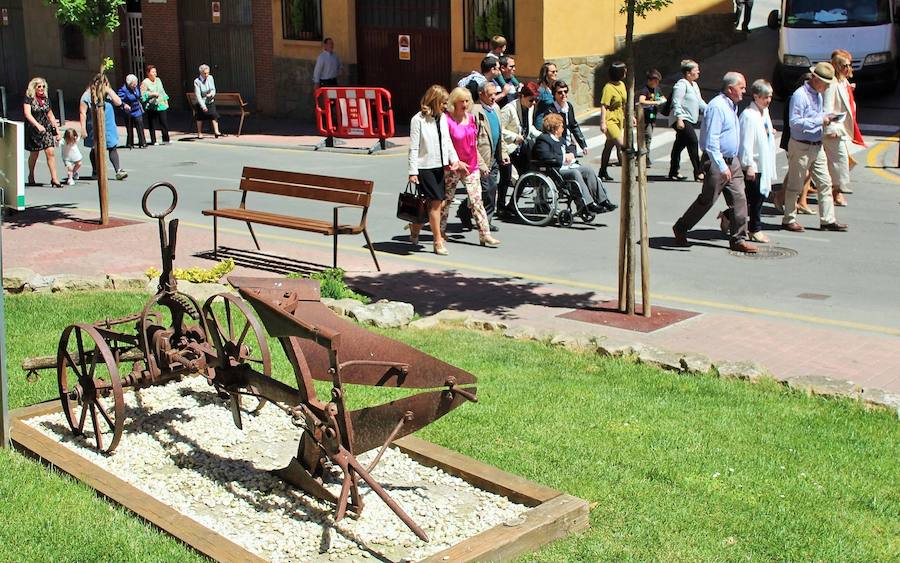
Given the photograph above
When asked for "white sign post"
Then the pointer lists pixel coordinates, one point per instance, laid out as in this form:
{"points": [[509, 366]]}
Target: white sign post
{"points": [[13, 163]]}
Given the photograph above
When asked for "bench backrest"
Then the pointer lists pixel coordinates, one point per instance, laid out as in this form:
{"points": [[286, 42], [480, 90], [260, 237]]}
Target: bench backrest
{"points": [[345, 191], [222, 99]]}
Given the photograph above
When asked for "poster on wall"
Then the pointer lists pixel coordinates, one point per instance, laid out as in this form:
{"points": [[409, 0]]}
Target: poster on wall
{"points": [[403, 44], [4, 17]]}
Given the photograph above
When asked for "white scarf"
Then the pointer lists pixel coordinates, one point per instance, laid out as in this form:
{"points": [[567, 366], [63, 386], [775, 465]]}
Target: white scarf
{"points": [[758, 145]]}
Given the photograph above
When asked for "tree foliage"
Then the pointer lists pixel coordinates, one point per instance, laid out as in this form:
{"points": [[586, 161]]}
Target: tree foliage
{"points": [[643, 7], [93, 17]]}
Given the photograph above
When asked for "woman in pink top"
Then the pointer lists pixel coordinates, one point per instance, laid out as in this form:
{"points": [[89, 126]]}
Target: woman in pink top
{"points": [[464, 134]]}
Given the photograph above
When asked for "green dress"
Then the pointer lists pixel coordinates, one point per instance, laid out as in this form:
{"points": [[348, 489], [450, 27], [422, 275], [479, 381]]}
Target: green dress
{"points": [[160, 103]]}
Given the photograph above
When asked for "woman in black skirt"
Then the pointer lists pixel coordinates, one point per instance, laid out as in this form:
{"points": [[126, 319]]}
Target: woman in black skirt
{"points": [[430, 153], [41, 129], [205, 109]]}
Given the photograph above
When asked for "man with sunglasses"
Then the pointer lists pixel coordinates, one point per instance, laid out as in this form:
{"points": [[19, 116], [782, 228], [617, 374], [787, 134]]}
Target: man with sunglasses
{"points": [[508, 85]]}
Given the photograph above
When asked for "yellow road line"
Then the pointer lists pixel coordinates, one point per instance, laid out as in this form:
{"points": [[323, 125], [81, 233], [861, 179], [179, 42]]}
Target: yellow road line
{"points": [[445, 264], [872, 158]]}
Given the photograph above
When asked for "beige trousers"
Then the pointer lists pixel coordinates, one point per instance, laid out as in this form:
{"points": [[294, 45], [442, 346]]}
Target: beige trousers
{"points": [[838, 162], [803, 159]]}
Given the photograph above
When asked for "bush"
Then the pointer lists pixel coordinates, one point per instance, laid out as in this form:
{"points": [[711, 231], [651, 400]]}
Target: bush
{"points": [[332, 285], [197, 274]]}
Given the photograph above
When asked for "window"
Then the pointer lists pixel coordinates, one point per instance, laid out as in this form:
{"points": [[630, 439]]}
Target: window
{"points": [[301, 19], [483, 19], [72, 42]]}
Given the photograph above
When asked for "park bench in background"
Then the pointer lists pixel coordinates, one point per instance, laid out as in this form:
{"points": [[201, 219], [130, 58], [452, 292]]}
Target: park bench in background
{"points": [[227, 103], [345, 192]]}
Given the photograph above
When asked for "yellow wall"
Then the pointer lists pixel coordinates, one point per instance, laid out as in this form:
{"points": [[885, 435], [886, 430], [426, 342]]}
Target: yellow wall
{"points": [[529, 39], [338, 22], [594, 30]]}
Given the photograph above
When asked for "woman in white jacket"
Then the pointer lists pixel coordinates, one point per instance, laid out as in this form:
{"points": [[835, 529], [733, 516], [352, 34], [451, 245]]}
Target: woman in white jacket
{"points": [[757, 155], [430, 153], [838, 99]]}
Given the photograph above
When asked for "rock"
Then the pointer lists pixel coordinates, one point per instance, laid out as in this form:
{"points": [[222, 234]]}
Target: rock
{"points": [[825, 386], [425, 323], [342, 306], [485, 324], [69, 282], [524, 333], [384, 314], [449, 316], [617, 349], [575, 342], [127, 282], [201, 291], [660, 358], [14, 279], [695, 363], [742, 370], [41, 284], [881, 398]]}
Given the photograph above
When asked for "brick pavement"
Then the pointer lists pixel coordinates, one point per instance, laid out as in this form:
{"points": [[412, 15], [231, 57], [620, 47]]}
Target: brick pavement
{"points": [[786, 348]]}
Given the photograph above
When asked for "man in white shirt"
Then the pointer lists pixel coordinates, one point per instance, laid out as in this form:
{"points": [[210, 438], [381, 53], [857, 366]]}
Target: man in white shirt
{"points": [[328, 65]]}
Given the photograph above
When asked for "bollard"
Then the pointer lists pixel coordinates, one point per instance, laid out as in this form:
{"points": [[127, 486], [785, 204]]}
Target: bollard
{"points": [[3, 102], [62, 107]]}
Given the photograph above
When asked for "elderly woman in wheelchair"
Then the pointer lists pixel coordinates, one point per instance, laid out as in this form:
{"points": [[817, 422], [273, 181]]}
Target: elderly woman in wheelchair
{"points": [[556, 177]]}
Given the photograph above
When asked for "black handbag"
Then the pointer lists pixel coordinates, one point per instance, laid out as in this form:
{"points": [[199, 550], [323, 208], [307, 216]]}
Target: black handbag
{"points": [[412, 207]]}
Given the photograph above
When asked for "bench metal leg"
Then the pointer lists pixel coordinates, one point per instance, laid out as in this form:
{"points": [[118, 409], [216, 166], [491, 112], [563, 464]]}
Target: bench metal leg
{"points": [[371, 250], [335, 247], [241, 125], [252, 234], [215, 237]]}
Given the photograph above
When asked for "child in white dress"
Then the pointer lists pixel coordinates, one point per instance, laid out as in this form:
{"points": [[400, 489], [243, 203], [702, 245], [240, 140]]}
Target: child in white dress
{"points": [[71, 155]]}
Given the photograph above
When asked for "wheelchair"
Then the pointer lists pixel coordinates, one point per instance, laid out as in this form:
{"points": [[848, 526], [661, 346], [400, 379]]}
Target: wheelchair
{"points": [[542, 195]]}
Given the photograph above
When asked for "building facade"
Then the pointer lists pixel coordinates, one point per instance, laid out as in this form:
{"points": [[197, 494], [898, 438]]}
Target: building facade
{"points": [[266, 49]]}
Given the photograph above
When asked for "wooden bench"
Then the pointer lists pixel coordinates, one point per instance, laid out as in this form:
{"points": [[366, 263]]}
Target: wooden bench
{"points": [[227, 103], [345, 192]]}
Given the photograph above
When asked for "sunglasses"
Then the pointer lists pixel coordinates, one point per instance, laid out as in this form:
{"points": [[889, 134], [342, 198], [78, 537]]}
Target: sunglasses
{"points": [[565, 92]]}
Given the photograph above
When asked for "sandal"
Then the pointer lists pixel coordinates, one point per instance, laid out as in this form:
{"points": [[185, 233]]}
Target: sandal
{"points": [[803, 210], [55, 185], [440, 249], [489, 241]]}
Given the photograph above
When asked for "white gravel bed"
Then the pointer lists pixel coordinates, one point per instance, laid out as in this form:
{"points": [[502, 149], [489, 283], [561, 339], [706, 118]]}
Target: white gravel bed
{"points": [[181, 446]]}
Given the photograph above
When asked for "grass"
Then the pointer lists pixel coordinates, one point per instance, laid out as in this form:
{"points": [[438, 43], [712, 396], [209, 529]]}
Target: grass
{"points": [[675, 467]]}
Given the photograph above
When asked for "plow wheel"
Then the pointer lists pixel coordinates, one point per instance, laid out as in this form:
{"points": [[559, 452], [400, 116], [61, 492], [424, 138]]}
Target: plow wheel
{"points": [[89, 387], [237, 335]]}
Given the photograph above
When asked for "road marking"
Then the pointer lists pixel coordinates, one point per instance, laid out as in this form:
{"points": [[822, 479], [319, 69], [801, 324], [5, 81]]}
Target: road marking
{"points": [[446, 264], [780, 234], [872, 158]]}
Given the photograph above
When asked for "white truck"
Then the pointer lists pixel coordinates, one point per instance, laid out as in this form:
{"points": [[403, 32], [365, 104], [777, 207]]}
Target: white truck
{"points": [[809, 30]]}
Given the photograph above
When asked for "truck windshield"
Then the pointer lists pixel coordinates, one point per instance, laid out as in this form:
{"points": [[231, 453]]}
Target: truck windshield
{"points": [[836, 13]]}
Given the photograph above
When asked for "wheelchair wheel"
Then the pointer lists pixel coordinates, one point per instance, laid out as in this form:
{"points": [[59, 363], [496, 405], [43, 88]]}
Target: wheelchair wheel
{"points": [[564, 218], [535, 199]]}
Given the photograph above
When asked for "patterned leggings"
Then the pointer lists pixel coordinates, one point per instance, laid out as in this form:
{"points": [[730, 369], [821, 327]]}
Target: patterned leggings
{"points": [[472, 182]]}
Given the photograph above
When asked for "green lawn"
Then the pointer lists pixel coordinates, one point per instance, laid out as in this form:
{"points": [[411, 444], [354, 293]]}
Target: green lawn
{"points": [[675, 467]]}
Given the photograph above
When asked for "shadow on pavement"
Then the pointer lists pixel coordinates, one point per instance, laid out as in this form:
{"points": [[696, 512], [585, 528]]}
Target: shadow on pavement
{"points": [[44, 214], [262, 261], [430, 292]]}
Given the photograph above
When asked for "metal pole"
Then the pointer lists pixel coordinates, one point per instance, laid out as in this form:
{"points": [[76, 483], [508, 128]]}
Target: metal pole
{"points": [[4, 388], [3, 102], [62, 107]]}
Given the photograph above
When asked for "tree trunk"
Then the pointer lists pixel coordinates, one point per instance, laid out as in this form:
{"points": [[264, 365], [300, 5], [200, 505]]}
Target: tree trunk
{"points": [[98, 97], [629, 167]]}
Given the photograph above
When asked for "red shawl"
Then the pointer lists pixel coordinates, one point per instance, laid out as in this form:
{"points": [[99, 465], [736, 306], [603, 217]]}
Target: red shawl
{"points": [[857, 135]]}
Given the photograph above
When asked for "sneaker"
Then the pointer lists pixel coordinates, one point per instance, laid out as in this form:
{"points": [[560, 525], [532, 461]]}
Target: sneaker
{"points": [[70, 181], [75, 176], [121, 174]]}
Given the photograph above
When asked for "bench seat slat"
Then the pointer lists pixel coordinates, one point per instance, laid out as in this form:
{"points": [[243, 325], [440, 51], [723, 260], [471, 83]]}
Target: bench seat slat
{"points": [[310, 192], [283, 177], [285, 221]]}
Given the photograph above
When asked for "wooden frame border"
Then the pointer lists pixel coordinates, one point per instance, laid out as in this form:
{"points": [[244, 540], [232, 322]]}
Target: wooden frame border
{"points": [[552, 515]]}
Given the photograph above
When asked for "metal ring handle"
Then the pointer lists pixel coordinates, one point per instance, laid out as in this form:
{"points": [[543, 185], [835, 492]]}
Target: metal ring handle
{"points": [[147, 196]]}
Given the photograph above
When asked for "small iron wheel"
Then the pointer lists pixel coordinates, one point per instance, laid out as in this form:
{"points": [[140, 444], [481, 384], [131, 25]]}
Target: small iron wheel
{"points": [[564, 218], [90, 387], [237, 335]]}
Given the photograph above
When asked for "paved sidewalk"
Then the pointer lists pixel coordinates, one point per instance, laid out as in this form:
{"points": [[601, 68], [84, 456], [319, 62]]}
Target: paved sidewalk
{"points": [[787, 348]]}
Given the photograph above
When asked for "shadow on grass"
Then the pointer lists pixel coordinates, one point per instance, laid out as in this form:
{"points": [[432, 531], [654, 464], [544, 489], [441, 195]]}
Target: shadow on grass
{"points": [[430, 292]]}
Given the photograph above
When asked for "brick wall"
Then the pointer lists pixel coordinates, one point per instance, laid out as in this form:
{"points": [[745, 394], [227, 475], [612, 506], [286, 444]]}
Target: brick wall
{"points": [[263, 55], [162, 46]]}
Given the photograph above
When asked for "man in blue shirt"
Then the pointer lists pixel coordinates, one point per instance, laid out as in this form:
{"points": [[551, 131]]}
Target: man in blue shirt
{"points": [[719, 140], [807, 120]]}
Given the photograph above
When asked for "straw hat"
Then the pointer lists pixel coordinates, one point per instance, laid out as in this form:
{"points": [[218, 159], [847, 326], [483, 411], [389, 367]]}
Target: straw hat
{"points": [[823, 71]]}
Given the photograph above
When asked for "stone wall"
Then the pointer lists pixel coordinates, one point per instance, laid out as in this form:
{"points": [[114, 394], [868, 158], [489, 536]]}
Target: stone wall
{"points": [[695, 37], [294, 86]]}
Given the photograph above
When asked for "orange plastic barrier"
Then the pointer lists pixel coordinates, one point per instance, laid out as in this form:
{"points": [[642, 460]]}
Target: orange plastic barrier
{"points": [[356, 112]]}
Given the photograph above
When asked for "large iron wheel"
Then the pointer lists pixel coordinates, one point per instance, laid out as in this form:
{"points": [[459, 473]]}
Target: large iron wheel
{"points": [[237, 335], [90, 387], [535, 199]]}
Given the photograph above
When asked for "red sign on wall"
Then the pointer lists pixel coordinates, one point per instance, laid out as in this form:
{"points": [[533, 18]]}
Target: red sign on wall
{"points": [[216, 12], [4, 17]]}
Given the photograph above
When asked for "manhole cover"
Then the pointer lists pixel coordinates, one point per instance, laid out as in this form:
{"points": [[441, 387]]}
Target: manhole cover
{"points": [[186, 163], [767, 253]]}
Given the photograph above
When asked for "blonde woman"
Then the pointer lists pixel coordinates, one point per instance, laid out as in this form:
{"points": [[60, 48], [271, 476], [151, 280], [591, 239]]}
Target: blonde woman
{"points": [[464, 136], [431, 155], [838, 99], [41, 129]]}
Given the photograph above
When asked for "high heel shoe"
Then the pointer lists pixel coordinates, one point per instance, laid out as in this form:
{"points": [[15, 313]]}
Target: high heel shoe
{"points": [[803, 210], [440, 249], [55, 185], [489, 241]]}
